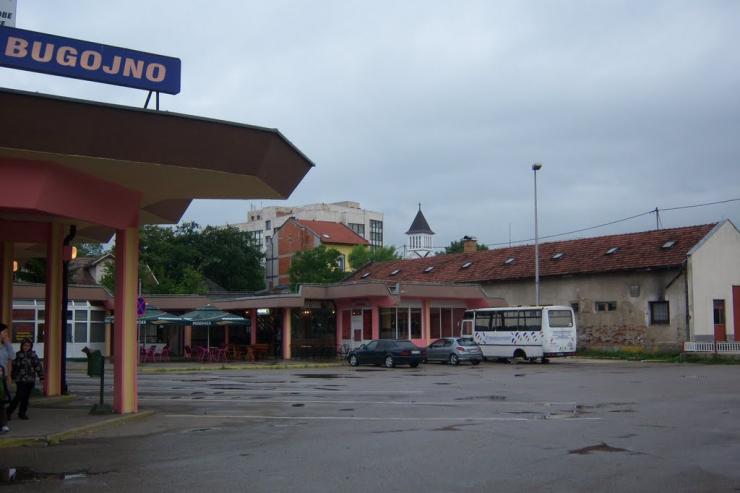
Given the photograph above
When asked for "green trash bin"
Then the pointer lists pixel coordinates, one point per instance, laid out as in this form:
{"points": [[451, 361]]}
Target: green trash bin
{"points": [[94, 363], [96, 368]]}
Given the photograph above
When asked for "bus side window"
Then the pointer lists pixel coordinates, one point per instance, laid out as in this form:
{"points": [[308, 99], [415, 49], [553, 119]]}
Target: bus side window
{"points": [[497, 321], [511, 320], [533, 320], [482, 322]]}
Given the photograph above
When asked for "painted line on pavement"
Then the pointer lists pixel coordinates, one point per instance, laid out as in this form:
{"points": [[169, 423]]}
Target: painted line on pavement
{"points": [[358, 418]]}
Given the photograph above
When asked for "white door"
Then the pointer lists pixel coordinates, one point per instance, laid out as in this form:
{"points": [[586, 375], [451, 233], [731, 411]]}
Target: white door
{"points": [[357, 328]]}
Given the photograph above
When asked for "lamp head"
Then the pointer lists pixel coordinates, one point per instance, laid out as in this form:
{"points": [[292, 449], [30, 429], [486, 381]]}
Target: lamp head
{"points": [[536, 166]]}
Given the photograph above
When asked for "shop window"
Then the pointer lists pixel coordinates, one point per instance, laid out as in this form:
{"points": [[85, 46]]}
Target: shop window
{"points": [[659, 312]]}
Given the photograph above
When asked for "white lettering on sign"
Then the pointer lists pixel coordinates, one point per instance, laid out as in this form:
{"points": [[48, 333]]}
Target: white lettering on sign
{"points": [[7, 12]]}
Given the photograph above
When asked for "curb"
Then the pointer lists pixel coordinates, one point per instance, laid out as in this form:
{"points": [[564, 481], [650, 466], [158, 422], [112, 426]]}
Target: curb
{"points": [[278, 366], [56, 438]]}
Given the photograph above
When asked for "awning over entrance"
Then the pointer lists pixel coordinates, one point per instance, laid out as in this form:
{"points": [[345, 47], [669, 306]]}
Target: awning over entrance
{"points": [[116, 153]]}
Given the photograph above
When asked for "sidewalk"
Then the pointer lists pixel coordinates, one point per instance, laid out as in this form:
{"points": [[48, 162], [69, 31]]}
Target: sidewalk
{"points": [[54, 419]]}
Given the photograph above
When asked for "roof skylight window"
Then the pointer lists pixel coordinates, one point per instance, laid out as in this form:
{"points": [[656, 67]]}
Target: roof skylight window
{"points": [[393, 273], [466, 265], [612, 250], [558, 256], [668, 244], [429, 269], [365, 275], [509, 261]]}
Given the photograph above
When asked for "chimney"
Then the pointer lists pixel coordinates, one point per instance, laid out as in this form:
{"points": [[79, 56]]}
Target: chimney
{"points": [[470, 244]]}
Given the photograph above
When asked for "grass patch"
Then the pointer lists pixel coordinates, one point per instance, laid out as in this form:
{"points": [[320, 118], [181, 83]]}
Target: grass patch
{"points": [[665, 357]]}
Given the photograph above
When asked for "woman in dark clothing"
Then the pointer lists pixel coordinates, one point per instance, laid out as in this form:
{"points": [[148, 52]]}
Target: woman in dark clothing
{"points": [[26, 366]]}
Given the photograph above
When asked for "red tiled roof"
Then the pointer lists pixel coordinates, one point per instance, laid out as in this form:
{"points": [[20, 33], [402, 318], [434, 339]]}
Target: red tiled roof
{"points": [[330, 232], [589, 255]]}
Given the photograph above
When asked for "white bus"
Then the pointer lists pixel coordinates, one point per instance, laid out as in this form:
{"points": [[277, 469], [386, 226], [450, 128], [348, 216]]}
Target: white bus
{"points": [[528, 332]]}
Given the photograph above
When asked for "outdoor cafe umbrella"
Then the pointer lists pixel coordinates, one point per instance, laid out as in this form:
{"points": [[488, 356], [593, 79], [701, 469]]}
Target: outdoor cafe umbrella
{"points": [[155, 316], [209, 315]]}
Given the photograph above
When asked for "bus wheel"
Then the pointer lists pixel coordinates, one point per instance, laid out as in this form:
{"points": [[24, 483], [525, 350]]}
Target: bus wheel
{"points": [[519, 353], [532, 360]]}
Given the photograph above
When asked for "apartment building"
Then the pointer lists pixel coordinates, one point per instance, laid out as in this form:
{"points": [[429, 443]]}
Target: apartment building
{"points": [[262, 223]]}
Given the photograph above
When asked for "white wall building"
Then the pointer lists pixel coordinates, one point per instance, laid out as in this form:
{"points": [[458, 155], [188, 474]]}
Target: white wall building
{"points": [[263, 222]]}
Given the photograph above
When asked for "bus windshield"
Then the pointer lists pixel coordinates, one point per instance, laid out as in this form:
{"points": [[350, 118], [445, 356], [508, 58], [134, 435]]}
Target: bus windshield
{"points": [[560, 318]]}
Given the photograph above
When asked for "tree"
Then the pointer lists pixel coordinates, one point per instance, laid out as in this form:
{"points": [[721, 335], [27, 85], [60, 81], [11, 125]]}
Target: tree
{"points": [[180, 260], [320, 265], [457, 247], [362, 254]]}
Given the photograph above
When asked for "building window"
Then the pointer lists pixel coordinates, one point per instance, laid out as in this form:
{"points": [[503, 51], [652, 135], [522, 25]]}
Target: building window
{"points": [[400, 323], [719, 312], [376, 232], [575, 306], [659, 312], [255, 237], [341, 262], [357, 228], [635, 290], [268, 224], [606, 306]]}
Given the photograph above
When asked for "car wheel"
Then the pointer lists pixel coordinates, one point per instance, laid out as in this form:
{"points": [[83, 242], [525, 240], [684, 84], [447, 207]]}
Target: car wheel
{"points": [[475, 362], [389, 363], [353, 361], [454, 360], [413, 365]]}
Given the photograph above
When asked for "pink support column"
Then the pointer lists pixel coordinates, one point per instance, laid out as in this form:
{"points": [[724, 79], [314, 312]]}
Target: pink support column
{"points": [[376, 321], [125, 392], [339, 325], [53, 311], [253, 326], [286, 333], [6, 282], [425, 322]]}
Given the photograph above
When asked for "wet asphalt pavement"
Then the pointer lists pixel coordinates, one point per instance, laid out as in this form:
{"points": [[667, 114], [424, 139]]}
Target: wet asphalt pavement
{"points": [[573, 425]]}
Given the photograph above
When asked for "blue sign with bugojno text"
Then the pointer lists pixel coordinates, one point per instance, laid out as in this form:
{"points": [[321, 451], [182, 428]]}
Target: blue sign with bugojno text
{"points": [[55, 55]]}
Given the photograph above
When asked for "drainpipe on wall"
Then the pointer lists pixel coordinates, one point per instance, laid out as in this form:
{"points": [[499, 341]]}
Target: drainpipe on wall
{"points": [[685, 266]]}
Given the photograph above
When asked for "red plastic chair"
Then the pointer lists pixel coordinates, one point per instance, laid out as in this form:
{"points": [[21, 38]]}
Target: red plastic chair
{"points": [[151, 354], [165, 354]]}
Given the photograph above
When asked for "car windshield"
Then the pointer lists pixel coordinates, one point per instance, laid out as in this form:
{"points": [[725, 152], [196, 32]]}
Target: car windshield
{"points": [[466, 341]]}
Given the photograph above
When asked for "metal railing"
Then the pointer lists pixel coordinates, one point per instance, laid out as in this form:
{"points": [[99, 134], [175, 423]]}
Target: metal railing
{"points": [[711, 347]]}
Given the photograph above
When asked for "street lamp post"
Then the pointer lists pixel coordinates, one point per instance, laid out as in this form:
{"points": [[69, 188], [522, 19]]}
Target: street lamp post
{"points": [[536, 167]]}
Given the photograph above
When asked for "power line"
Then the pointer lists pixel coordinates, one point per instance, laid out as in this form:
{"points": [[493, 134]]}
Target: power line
{"points": [[617, 221], [654, 211]]}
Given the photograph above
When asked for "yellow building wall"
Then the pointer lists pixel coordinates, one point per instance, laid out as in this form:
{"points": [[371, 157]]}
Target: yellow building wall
{"points": [[344, 250]]}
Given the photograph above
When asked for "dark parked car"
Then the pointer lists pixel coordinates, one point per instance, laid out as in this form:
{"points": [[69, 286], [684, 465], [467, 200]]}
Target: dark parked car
{"points": [[453, 350], [387, 352]]}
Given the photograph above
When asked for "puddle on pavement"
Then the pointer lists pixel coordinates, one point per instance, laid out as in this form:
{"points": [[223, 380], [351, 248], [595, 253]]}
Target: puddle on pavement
{"points": [[602, 447], [321, 375], [16, 475], [482, 397]]}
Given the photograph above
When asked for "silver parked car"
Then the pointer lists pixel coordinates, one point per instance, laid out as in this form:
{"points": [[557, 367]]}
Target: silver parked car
{"points": [[453, 350]]}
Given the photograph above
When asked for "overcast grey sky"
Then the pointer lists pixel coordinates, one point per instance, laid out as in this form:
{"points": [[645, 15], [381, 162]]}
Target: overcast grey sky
{"points": [[629, 105]]}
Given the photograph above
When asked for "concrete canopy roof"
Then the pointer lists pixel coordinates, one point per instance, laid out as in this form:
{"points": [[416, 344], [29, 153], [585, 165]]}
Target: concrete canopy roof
{"points": [[167, 158]]}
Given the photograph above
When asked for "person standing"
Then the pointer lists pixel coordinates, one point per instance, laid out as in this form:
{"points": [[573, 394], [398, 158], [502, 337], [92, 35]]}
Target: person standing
{"points": [[6, 351], [4, 399], [26, 367]]}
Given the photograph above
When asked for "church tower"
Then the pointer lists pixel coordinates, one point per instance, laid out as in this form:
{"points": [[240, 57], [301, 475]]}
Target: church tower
{"points": [[420, 237]]}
